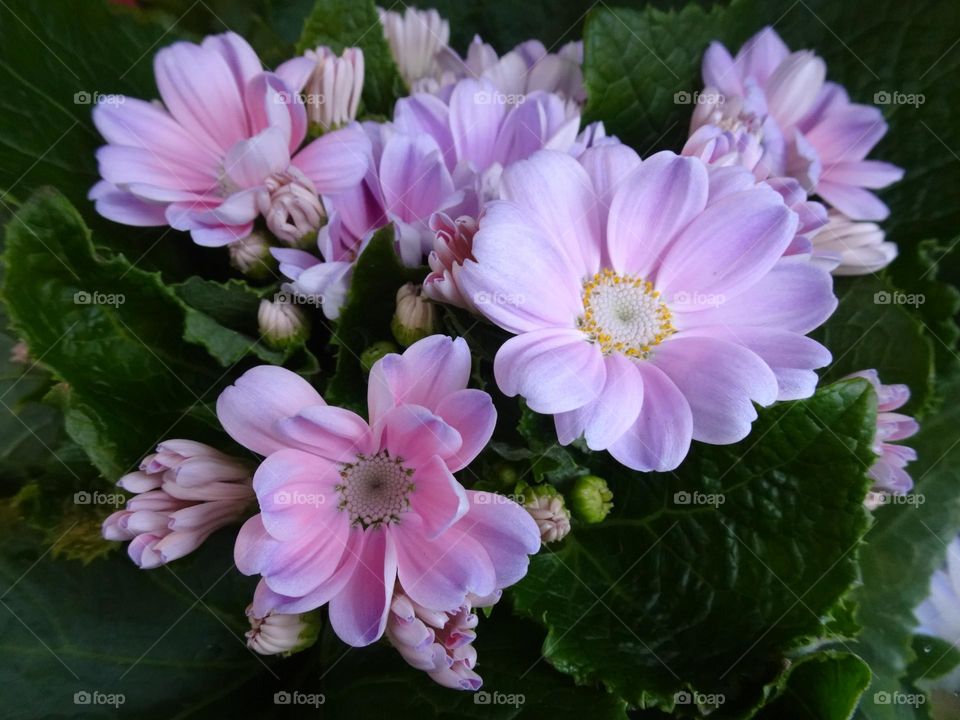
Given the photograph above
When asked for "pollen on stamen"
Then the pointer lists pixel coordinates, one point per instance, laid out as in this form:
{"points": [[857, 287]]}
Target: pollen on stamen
{"points": [[624, 314]]}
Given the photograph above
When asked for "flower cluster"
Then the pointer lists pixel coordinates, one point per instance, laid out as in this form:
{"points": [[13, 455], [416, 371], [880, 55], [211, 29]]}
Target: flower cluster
{"points": [[643, 303]]}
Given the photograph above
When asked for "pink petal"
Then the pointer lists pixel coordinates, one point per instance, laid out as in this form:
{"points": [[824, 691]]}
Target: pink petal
{"points": [[470, 413], [337, 160], [854, 202], [612, 413], [438, 499], [122, 207], [761, 54], [660, 438], [424, 114], [554, 370], [728, 247], [719, 71], [270, 103], [330, 432], [721, 381], [413, 177], [475, 117], [415, 434], [250, 408], [608, 166], [506, 531], [358, 613], [250, 162], [240, 57], [651, 207], [554, 191]]}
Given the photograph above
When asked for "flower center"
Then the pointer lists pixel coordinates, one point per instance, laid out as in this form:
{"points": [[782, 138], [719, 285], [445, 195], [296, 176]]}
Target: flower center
{"points": [[624, 314], [375, 490]]}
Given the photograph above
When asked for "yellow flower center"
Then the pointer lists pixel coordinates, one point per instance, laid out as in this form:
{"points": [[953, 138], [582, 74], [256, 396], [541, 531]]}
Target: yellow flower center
{"points": [[624, 314]]}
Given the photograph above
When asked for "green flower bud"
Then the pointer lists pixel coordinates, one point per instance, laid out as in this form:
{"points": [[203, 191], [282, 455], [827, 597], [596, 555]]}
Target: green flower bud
{"points": [[591, 499]]}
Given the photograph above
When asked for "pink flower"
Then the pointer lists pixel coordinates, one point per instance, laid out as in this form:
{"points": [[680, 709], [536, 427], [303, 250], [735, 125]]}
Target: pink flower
{"points": [[183, 493], [453, 240], [438, 642], [888, 472], [222, 148], [806, 128], [436, 157], [649, 300], [348, 509]]}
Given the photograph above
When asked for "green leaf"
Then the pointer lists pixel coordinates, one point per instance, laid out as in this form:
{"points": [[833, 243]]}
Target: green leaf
{"points": [[355, 23], [872, 328], [678, 591], [904, 547], [823, 686], [111, 332], [934, 658], [365, 317]]}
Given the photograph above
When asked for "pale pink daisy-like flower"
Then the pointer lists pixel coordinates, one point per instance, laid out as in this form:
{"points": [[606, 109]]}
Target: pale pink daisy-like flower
{"points": [[349, 508], [889, 476], [183, 493], [222, 148], [436, 156], [770, 101], [853, 248], [650, 300], [438, 642]]}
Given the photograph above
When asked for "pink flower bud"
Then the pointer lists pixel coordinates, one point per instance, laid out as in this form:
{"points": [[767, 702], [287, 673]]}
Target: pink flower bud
{"points": [[276, 633], [452, 246], [291, 206], [335, 86]]}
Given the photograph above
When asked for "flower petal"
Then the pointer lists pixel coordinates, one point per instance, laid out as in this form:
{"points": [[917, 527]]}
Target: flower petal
{"points": [[358, 613]]}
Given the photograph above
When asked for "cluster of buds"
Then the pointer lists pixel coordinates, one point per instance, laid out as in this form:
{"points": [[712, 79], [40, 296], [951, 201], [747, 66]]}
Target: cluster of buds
{"points": [[279, 634], [438, 642], [183, 493]]}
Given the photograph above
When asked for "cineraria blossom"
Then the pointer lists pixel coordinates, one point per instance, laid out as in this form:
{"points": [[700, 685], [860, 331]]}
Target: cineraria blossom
{"points": [[939, 613], [650, 301], [525, 69], [772, 111], [349, 509], [436, 156], [853, 248], [415, 37], [222, 149], [183, 493], [438, 642], [889, 476]]}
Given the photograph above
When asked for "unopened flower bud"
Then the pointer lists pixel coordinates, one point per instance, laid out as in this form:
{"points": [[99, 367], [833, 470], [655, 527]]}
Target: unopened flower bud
{"points": [[856, 248], [370, 356], [415, 38], [276, 634], [291, 206], [20, 353], [251, 256], [591, 499], [547, 508], [415, 317], [282, 324], [333, 90]]}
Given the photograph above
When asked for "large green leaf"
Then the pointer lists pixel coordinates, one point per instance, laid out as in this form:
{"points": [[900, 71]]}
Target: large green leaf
{"points": [[825, 686], [668, 594], [111, 332]]}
